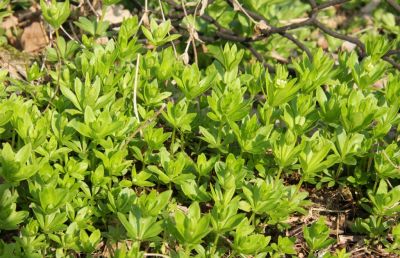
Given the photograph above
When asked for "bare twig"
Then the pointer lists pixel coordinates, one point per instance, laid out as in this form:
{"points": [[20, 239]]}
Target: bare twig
{"points": [[394, 4], [268, 29], [66, 33], [145, 15], [330, 4], [392, 62], [334, 34], [240, 7], [276, 30], [92, 8], [299, 44], [73, 31], [192, 33]]}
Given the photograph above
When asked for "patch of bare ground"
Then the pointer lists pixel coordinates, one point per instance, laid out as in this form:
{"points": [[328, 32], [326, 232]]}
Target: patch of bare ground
{"points": [[338, 206]]}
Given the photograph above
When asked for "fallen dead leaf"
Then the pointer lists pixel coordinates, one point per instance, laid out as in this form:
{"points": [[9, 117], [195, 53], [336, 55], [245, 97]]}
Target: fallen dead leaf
{"points": [[204, 4], [334, 23], [185, 58], [14, 61], [102, 40], [323, 43], [9, 22], [204, 48], [116, 14], [278, 57], [380, 84], [349, 238], [33, 38], [295, 20], [348, 46]]}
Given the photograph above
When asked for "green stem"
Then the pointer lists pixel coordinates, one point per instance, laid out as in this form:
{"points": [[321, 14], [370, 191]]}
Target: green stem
{"points": [[379, 221], [253, 219], [339, 170], [136, 246], [13, 139], [278, 176], [214, 248], [220, 127], [375, 184], [58, 69], [299, 184], [103, 12], [187, 251], [369, 164], [172, 141], [182, 141], [198, 105]]}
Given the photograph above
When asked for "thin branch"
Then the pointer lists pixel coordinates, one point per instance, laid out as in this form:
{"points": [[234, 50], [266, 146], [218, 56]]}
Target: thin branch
{"points": [[258, 56], [279, 30], [392, 62], [330, 4], [268, 30], [335, 34], [299, 44], [73, 31], [313, 5], [240, 7], [92, 8], [292, 26], [68, 35], [145, 14], [394, 4], [393, 52]]}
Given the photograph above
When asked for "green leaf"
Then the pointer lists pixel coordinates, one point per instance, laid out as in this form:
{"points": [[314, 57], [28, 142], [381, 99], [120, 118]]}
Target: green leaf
{"points": [[55, 13]]}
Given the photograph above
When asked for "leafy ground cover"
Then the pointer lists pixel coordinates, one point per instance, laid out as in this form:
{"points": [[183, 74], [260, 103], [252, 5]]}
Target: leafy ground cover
{"points": [[199, 128]]}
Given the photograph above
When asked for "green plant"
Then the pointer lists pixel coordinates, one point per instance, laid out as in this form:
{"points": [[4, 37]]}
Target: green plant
{"points": [[317, 236], [201, 128], [55, 13]]}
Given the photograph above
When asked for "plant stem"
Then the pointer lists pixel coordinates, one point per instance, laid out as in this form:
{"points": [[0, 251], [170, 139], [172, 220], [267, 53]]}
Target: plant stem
{"points": [[182, 141], [278, 176], [339, 170], [375, 184], [299, 184], [58, 69], [253, 219], [172, 141], [103, 12], [13, 139], [369, 164], [214, 248], [187, 251], [220, 127], [197, 103]]}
